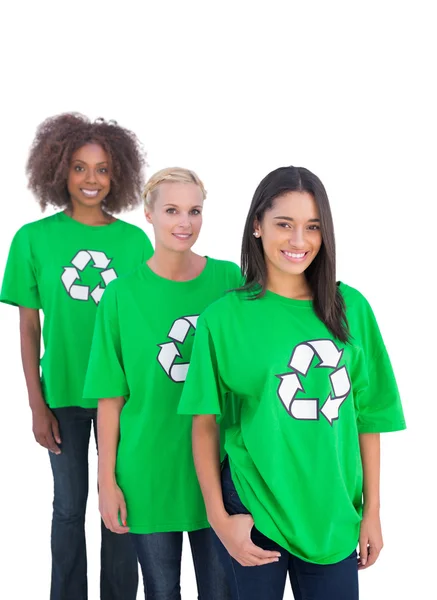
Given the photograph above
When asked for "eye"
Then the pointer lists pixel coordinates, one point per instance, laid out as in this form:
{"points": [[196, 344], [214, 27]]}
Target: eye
{"points": [[78, 168], [195, 212], [170, 211], [103, 170], [284, 225], [314, 227]]}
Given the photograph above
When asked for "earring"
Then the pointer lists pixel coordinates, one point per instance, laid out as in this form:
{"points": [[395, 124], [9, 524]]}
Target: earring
{"points": [[256, 234]]}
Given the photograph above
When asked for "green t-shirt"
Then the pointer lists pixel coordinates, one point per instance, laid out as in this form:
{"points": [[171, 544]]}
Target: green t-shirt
{"points": [[294, 452], [62, 267], [141, 350]]}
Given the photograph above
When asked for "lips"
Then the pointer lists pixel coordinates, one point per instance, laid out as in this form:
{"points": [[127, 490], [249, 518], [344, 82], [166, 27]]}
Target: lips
{"points": [[90, 193], [182, 236], [294, 256]]}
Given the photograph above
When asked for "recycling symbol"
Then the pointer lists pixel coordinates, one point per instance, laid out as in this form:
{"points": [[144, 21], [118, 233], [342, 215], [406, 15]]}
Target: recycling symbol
{"points": [[308, 409], [169, 352], [71, 275]]}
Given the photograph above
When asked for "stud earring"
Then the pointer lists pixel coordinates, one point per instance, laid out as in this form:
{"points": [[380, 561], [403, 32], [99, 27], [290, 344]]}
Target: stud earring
{"points": [[256, 234]]}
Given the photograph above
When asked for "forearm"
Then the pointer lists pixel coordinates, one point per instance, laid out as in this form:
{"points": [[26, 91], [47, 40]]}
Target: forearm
{"points": [[108, 435], [30, 338], [370, 458], [206, 453]]}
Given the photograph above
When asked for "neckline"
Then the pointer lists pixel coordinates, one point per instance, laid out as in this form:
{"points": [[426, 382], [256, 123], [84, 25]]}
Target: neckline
{"points": [[189, 282], [288, 301], [69, 219]]}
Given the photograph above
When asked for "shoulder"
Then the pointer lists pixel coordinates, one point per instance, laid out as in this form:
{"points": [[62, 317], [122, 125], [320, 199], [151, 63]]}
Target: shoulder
{"points": [[29, 230], [221, 309], [353, 298], [131, 228], [223, 265]]}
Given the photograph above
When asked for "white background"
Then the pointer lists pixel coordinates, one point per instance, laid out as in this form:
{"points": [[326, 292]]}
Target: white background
{"points": [[234, 90]]}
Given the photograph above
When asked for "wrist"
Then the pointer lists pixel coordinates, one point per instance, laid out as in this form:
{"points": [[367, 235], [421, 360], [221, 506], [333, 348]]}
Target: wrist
{"points": [[106, 478], [218, 519], [37, 403], [371, 508]]}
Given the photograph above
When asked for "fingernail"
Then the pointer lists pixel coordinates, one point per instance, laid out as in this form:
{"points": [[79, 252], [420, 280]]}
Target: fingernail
{"points": [[124, 523], [363, 561]]}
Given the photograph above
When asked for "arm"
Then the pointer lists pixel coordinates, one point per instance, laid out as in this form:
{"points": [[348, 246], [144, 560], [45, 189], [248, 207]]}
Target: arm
{"points": [[44, 422], [111, 499], [233, 531], [370, 535]]}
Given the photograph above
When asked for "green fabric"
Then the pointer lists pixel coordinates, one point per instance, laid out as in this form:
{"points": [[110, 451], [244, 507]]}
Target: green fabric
{"points": [[62, 267], [305, 397], [141, 350]]}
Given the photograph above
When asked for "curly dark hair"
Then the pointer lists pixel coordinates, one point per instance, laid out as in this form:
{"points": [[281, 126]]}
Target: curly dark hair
{"points": [[58, 137]]}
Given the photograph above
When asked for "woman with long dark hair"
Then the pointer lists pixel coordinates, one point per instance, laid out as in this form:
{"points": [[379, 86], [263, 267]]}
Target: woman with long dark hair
{"points": [[300, 487]]}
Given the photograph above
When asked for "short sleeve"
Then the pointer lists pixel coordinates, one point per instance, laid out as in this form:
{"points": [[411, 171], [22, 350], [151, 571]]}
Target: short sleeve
{"points": [[203, 392], [378, 402], [20, 285], [105, 376]]}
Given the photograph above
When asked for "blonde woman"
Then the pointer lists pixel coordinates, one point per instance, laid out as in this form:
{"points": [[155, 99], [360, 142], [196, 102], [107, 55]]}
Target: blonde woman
{"points": [[139, 360]]}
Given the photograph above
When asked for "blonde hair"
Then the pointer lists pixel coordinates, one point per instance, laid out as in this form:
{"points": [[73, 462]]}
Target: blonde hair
{"points": [[169, 175]]}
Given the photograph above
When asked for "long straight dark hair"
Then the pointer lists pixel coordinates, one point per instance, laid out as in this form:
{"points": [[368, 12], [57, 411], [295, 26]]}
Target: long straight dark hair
{"points": [[328, 302]]}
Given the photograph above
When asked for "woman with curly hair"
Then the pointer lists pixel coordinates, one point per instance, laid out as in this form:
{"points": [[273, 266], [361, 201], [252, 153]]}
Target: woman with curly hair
{"points": [[61, 265]]}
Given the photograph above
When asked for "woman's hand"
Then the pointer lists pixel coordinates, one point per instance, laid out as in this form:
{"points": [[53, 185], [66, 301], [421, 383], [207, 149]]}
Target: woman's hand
{"points": [[370, 539], [111, 505], [46, 428], [234, 533]]}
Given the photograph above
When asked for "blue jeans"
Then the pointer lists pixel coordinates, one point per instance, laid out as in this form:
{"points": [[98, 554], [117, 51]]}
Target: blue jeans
{"points": [[119, 566], [160, 556], [309, 581]]}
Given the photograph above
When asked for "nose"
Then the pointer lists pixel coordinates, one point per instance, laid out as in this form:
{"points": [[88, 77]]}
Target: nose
{"points": [[185, 220], [90, 176], [297, 238]]}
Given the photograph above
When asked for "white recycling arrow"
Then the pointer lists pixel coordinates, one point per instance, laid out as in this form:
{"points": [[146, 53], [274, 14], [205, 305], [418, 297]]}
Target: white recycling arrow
{"points": [[108, 276], [101, 261], [301, 358], [331, 407], [167, 355], [81, 260], [179, 372], [69, 276], [179, 330], [340, 382], [79, 292], [97, 294], [299, 408], [328, 352]]}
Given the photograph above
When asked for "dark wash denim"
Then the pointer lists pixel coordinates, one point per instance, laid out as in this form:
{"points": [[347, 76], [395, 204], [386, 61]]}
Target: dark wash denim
{"points": [[119, 566], [160, 556], [309, 581]]}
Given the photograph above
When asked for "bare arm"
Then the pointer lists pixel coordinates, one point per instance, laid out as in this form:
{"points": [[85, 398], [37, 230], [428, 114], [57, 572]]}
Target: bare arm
{"points": [[233, 531], [45, 425], [111, 500], [371, 535]]}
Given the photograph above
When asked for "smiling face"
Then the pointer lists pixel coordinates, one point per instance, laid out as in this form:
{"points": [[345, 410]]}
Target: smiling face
{"points": [[176, 215], [89, 179], [290, 234]]}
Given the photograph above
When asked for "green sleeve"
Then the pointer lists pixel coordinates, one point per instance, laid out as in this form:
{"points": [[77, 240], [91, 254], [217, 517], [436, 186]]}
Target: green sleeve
{"points": [[378, 402], [105, 376], [20, 285], [148, 248], [204, 391]]}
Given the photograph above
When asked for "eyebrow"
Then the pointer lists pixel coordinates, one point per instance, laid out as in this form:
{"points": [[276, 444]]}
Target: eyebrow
{"points": [[291, 219], [105, 162], [176, 206]]}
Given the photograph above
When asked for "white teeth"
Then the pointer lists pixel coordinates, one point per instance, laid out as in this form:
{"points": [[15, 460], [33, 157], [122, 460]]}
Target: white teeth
{"points": [[90, 193], [182, 235], [293, 254]]}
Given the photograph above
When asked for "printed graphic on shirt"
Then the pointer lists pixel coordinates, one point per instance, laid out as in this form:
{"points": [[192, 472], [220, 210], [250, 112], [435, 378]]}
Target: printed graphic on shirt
{"points": [[71, 276], [308, 409], [169, 352]]}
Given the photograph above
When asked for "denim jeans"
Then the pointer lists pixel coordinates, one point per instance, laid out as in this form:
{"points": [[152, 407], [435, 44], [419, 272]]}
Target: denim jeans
{"points": [[119, 566], [309, 581], [160, 556]]}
